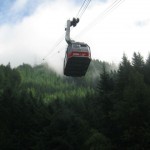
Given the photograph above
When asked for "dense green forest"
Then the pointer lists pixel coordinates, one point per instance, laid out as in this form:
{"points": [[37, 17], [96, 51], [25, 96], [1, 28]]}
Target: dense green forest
{"points": [[43, 82], [108, 109]]}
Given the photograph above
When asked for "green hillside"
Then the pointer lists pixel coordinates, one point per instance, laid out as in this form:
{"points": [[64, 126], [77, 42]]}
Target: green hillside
{"points": [[110, 111], [43, 82]]}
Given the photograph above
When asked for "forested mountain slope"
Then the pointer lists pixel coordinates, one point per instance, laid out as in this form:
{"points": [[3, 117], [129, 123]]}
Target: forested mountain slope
{"points": [[114, 116], [43, 82]]}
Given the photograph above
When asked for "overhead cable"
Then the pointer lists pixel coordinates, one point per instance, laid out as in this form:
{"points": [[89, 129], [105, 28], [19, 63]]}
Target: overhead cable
{"points": [[114, 5], [55, 46], [80, 8], [84, 8]]}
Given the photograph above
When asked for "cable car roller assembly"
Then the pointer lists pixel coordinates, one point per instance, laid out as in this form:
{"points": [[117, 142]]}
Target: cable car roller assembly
{"points": [[78, 54]]}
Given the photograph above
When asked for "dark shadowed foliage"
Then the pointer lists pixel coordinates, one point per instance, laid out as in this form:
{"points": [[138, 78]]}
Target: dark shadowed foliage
{"points": [[105, 110]]}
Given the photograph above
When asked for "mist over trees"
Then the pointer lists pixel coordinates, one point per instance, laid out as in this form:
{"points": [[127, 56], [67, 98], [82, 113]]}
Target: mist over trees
{"points": [[105, 110]]}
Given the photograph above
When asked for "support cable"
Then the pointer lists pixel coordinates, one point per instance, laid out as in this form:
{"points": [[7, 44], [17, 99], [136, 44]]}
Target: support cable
{"points": [[80, 9], [84, 9], [114, 5]]}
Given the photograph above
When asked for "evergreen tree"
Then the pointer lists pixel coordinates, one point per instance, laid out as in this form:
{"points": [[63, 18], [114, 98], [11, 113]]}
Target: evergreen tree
{"points": [[138, 62], [106, 82], [147, 71], [124, 71]]}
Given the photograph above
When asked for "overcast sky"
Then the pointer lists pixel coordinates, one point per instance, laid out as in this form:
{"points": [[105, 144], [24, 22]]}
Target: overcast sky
{"points": [[29, 29]]}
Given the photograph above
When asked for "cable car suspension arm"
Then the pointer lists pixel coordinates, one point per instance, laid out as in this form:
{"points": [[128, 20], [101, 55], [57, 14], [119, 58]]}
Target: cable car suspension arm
{"points": [[67, 29]]}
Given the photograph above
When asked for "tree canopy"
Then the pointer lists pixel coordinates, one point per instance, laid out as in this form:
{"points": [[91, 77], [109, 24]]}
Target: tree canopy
{"points": [[105, 110]]}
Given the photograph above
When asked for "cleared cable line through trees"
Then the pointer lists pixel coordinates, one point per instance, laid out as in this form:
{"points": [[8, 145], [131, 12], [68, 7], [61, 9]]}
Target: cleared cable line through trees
{"points": [[82, 10]]}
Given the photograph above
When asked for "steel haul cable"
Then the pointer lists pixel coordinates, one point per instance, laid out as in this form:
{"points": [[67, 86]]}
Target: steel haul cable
{"points": [[55, 46], [115, 4], [84, 9], [81, 8]]}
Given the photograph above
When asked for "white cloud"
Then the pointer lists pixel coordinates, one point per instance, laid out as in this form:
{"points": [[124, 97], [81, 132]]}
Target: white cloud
{"points": [[18, 5], [142, 23], [33, 38]]}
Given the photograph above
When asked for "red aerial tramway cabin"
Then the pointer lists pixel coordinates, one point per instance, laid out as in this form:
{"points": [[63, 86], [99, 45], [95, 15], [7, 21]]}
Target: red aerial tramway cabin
{"points": [[77, 59], [78, 54]]}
